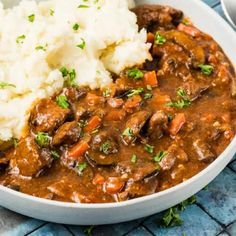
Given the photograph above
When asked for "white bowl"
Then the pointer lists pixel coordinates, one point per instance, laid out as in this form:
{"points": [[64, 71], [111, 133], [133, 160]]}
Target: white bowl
{"points": [[94, 214]]}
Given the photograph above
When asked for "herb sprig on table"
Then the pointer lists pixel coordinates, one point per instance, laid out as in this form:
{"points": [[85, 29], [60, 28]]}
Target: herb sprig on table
{"points": [[172, 216]]}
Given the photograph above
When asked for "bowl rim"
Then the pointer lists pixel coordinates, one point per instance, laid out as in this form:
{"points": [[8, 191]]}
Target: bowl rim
{"points": [[230, 150]]}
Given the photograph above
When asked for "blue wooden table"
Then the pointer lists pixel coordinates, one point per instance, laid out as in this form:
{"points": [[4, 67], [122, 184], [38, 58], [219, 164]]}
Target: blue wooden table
{"points": [[214, 213]]}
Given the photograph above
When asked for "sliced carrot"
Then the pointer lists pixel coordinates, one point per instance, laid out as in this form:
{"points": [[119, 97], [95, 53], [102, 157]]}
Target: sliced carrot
{"points": [[115, 115], [150, 78], [113, 185], [150, 37], [93, 123], [78, 150], [133, 102], [98, 179], [177, 123], [115, 102], [93, 99], [188, 29]]}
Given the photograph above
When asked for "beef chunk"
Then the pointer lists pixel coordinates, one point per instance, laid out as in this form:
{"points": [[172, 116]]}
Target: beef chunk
{"points": [[139, 189], [47, 116], [195, 89], [103, 150], [168, 161], [157, 124], [153, 17], [68, 133], [134, 125], [203, 151], [27, 160], [138, 171]]}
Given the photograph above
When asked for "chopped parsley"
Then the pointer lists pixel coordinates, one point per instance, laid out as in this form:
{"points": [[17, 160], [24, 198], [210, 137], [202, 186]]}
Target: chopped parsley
{"points": [[172, 216], [20, 39], [206, 69], [42, 139], [15, 142], [128, 132], [192, 200], [31, 18], [149, 148], [55, 155], [52, 12], [159, 156], [82, 123], [83, 6], [76, 26], [4, 85], [70, 76], [183, 102], [134, 92], [105, 147], [81, 167], [82, 44], [89, 230], [40, 47], [148, 96], [106, 93], [179, 104], [134, 158], [159, 39], [62, 101], [135, 73]]}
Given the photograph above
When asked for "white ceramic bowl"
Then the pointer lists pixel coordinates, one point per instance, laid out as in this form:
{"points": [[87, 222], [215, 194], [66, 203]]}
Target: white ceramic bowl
{"points": [[94, 214]]}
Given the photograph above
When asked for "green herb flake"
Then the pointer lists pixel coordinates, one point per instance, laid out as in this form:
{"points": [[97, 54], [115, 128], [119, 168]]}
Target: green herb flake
{"points": [[179, 104], [42, 139], [134, 158], [31, 18], [148, 96], [55, 155], [106, 93], [159, 39], [76, 26], [82, 45], [89, 230], [171, 218], [81, 167], [82, 123], [62, 101], [83, 6], [52, 12], [134, 92], [128, 132], [20, 39], [181, 92], [135, 73], [69, 76], [40, 47], [149, 87], [4, 85], [183, 102], [159, 156], [190, 201], [206, 69], [148, 148], [15, 142], [105, 147]]}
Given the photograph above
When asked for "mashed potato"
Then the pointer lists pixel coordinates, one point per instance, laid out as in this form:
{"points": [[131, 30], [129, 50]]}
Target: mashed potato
{"points": [[37, 39]]}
